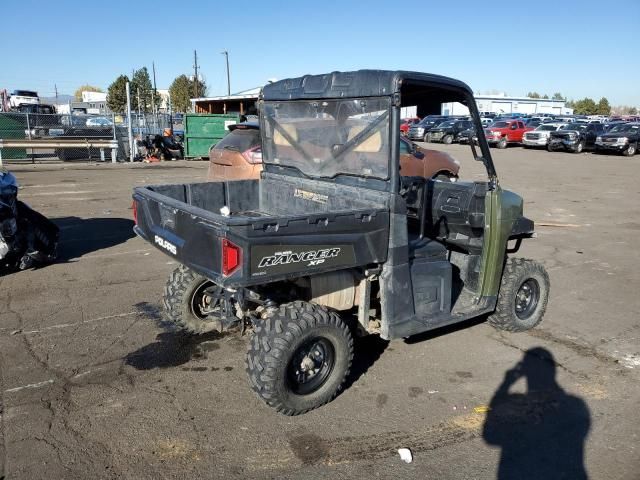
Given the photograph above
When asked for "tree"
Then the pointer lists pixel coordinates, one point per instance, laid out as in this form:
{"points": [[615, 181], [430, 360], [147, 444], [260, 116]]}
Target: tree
{"points": [[586, 106], [183, 89], [603, 107], [179, 92], [141, 87], [558, 96], [117, 94], [545, 97], [533, 95], [85, 88], [633, 111]]}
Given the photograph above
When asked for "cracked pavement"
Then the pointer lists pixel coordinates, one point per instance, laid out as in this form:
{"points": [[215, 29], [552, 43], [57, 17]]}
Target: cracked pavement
{"points": [[94, 384]]}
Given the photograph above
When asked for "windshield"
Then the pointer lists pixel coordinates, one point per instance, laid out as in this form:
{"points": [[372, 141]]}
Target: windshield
{"points": [[546, 128], [448, 124], [25, 93], [499, 125], [625, 128], [325, 138], [573, 126]]}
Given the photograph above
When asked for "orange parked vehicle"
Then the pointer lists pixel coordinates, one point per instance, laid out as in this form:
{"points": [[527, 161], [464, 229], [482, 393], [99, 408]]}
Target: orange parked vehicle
{"points": [[238, 156]]}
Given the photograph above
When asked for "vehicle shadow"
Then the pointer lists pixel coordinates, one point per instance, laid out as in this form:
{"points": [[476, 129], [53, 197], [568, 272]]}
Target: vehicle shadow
{"points": [[80, 236], [171, 347], [541, 432], [367, 350]]}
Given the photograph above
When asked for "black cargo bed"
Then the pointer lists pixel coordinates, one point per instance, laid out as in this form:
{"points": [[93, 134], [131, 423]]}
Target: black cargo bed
{"points": [[277, 215]]}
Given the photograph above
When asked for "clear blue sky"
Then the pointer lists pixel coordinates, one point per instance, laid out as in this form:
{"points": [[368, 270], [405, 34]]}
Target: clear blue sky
{"points": [[579, 48]]}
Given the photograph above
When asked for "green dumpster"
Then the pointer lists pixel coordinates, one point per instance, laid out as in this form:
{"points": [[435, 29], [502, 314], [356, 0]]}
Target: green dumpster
{"points": [[13, 125], [202, 131]]}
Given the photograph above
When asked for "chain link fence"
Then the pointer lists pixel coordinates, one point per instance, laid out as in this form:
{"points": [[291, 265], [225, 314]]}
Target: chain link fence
{"points": [[83, 128]]}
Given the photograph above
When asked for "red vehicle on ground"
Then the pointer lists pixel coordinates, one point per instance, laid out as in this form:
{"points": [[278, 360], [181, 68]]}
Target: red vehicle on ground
{"points": [[503, 132], [406, 123]]}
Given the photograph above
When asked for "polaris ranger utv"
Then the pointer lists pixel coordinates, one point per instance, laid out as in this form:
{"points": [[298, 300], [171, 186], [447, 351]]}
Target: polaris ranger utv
{"points": [[332, 241]]}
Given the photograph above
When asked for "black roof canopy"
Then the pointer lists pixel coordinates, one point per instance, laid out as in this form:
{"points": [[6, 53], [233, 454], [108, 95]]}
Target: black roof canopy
{"points": [[362, 83]]}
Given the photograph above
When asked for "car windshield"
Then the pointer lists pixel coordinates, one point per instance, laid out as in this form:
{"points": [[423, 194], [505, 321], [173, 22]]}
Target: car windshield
{"points": [[574, 126], [326, 138], [546, 128], [625, 128], [500, 124]]}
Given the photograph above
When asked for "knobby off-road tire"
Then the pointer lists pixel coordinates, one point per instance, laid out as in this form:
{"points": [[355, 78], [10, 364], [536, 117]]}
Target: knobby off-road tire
{"points": [[521, 277], [299, 332], [181, 300]]}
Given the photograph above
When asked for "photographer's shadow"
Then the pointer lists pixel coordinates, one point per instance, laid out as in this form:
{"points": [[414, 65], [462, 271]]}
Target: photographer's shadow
{"points": [[542, 432]]}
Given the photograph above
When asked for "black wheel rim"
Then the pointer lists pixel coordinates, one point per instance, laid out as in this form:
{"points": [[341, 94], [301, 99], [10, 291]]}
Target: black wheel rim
{"points": [[202, 303], [310, 366], [527, 298]]}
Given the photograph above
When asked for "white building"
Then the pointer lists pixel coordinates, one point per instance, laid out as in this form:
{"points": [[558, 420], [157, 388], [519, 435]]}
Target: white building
{"points": [[504, 104]]}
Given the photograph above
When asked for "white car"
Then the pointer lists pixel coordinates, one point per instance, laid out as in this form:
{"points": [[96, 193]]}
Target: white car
{"points": [[99, 122], [23, 97], [540, 136]]}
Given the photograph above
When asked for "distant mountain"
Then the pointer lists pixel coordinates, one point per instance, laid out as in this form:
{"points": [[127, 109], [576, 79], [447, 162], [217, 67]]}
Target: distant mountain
{"points": [[62, 99]]}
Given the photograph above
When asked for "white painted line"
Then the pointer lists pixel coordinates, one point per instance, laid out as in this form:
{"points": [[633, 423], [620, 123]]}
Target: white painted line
{"points": [[62, 192], [130, 252], [92, 320], [31, 385]]}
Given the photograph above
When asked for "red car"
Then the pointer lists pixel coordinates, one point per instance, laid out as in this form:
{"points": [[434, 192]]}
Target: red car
{"points": [[406, 123], [503, 132]]}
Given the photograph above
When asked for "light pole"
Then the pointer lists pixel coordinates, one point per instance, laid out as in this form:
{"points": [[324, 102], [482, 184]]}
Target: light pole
{"points": [[226, 54]]}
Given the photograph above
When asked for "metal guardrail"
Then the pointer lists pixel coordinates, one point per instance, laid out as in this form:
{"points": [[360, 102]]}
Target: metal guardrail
{"points": [[61, 143]]}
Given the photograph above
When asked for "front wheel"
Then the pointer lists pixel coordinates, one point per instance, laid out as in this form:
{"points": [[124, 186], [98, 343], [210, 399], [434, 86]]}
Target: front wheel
{"points": [[299, 357], [447, 140], [579, 148], [630, 151], [523, 297], [426, 138], [502, 143]]}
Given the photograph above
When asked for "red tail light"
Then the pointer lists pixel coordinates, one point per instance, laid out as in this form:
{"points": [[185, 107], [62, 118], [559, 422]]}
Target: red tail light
{"points": [[134, 207], [231, 257], [253, 155]]}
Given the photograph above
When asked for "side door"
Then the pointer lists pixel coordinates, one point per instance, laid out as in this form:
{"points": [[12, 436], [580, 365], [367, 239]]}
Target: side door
{"points": [[519, 131], [592, 133]]}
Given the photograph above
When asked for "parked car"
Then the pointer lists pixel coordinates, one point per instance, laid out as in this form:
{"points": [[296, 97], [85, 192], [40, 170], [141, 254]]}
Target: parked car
{"points": [[622, 138], [238, 156], [540, 136], [467, 136], [416, 161], [99, 122], [21, 97], [447, 132], [406, 123], [575, 137], [419, 130], [504, 132]]}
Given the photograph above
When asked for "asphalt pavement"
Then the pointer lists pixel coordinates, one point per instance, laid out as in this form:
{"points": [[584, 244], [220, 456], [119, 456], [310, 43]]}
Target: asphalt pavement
{"points": [[95, 385]]}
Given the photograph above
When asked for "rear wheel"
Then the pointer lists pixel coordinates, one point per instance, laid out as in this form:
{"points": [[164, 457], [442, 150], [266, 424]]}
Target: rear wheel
{"points": [[299, 357], [190, 301], [630, 151], [524, 292]]}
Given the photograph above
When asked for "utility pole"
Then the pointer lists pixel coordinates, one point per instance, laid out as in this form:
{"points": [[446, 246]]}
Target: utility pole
{"points": [[55, 87], [155, 91], [195, 77], [226, 54]]}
